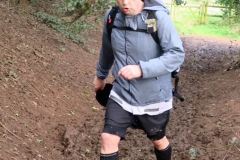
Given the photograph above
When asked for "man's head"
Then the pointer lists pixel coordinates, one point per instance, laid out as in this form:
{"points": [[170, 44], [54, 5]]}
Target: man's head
{"points": [[130, 7]]}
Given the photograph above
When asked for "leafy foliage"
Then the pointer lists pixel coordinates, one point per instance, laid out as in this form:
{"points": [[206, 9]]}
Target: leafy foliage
{"points": [[62, 25], [72, 4], [231, 4], [69, 16]]}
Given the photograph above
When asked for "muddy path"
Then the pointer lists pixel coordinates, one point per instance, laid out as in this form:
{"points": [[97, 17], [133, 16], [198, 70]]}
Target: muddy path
{"points": [[48, 108]]}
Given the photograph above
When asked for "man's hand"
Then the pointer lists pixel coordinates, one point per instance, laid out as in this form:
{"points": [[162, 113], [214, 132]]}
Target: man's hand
{"points": [[99, 83], [130, 71]]}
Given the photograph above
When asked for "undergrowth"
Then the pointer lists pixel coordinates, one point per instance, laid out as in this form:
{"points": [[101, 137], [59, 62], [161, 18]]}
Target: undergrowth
{"points": [[63, 25], [65, 17]]}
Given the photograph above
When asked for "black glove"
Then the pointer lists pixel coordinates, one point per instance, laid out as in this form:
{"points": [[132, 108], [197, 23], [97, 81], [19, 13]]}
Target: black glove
{"points": [[103, 95]]}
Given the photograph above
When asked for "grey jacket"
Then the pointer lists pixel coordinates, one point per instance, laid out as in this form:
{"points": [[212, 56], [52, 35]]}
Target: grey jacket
{"points": [[131, 48]]}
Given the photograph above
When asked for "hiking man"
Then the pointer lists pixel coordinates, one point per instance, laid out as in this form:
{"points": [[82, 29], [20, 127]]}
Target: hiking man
{"points": [[141, 96]]}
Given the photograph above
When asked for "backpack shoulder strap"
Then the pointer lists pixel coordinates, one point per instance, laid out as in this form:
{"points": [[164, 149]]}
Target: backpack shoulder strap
{"points": [[151, 15], [175, 91], [110, 20]]}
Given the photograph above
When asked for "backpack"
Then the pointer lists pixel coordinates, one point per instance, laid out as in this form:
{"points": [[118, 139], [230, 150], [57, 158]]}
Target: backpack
{"points": [[151, 30]]}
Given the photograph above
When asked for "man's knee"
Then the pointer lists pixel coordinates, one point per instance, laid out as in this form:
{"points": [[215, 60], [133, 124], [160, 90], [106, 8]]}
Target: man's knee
{"points": [[110, 139], [109, 143], [161, 143]]}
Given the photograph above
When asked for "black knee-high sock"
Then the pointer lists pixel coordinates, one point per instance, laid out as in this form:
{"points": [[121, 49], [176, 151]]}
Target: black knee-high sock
{"points": [[164, 154], [111, 156]]}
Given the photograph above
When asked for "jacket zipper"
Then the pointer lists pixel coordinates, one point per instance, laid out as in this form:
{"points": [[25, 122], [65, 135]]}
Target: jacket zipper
{"points": [[130, 101]]}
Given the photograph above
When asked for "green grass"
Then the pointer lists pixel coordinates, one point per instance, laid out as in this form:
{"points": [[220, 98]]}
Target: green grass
{"points": [[214, 27]]}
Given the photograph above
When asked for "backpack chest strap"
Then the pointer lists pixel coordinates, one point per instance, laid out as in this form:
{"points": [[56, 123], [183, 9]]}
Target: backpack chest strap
{"points": [[130, 29]]}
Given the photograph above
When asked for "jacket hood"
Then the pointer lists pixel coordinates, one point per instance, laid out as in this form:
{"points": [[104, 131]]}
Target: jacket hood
{"points": [[156, 5]]}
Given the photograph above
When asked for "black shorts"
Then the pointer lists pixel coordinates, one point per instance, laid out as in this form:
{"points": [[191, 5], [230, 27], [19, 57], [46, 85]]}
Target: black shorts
{"points": [[117, 120]]}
